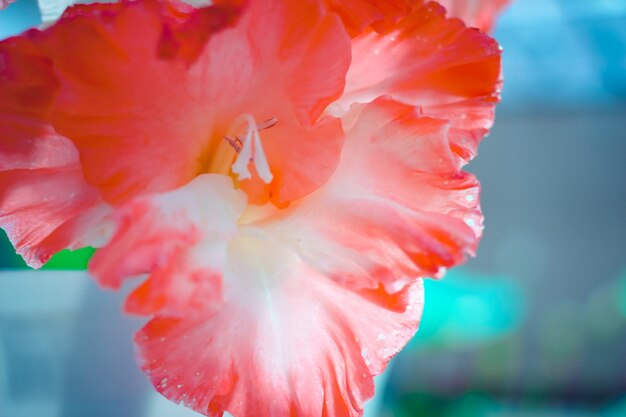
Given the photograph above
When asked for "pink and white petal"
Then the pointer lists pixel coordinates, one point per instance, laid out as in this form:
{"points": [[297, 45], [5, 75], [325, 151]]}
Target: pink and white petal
{"points": [[437, 64], [287, 341], [45, 204], [236, 305], [476, 13], [470, 120], [397, 207], [261, 312], [179, 238]]}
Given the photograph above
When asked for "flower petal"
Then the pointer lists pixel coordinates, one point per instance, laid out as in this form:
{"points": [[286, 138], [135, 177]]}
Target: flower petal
{"points": [[432, 62], [305, 346], [164, 87], [396, 208], [358, 14], [45, 204], [108, 104], [236, 305], [180, 238], [45, 211], [475, 13]]}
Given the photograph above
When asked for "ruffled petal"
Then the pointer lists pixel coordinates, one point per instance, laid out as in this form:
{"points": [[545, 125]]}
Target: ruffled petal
{"points": [[44, 211], [244, 323], [166, 84], [286, 342], [397, 207], [438, 64], [45, 204], [180, 238], [476, 13]]}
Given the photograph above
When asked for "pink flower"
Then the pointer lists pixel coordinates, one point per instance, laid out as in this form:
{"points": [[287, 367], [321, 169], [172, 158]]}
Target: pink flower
{"points": [[283, 173]]}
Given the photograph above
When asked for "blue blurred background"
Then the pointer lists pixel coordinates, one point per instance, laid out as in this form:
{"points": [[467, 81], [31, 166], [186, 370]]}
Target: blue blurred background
{"points": [[534, 326]]}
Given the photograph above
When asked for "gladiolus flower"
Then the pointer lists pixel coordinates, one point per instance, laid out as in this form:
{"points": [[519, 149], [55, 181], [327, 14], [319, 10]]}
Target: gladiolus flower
{"points": [[283, 174]]}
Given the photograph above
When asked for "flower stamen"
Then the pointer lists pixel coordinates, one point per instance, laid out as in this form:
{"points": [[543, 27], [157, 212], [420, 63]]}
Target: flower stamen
{"points": [[249, 148], [236, 143]]}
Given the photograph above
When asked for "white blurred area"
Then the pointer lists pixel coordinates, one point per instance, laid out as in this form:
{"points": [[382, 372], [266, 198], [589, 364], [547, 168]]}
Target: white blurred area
{"points": [[66, 350]]}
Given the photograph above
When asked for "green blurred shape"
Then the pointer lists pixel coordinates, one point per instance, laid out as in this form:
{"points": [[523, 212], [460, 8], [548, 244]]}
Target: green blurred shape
{"points": [[66, 259], [8, 258], [430, 405], [617, 409], [472, 405], [420, 404], [70, 260], [621, 293], [498, 361], [466, 309]]}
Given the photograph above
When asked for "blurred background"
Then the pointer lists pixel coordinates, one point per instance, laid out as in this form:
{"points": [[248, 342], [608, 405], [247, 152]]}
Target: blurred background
{"points": [[534, 326]]}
